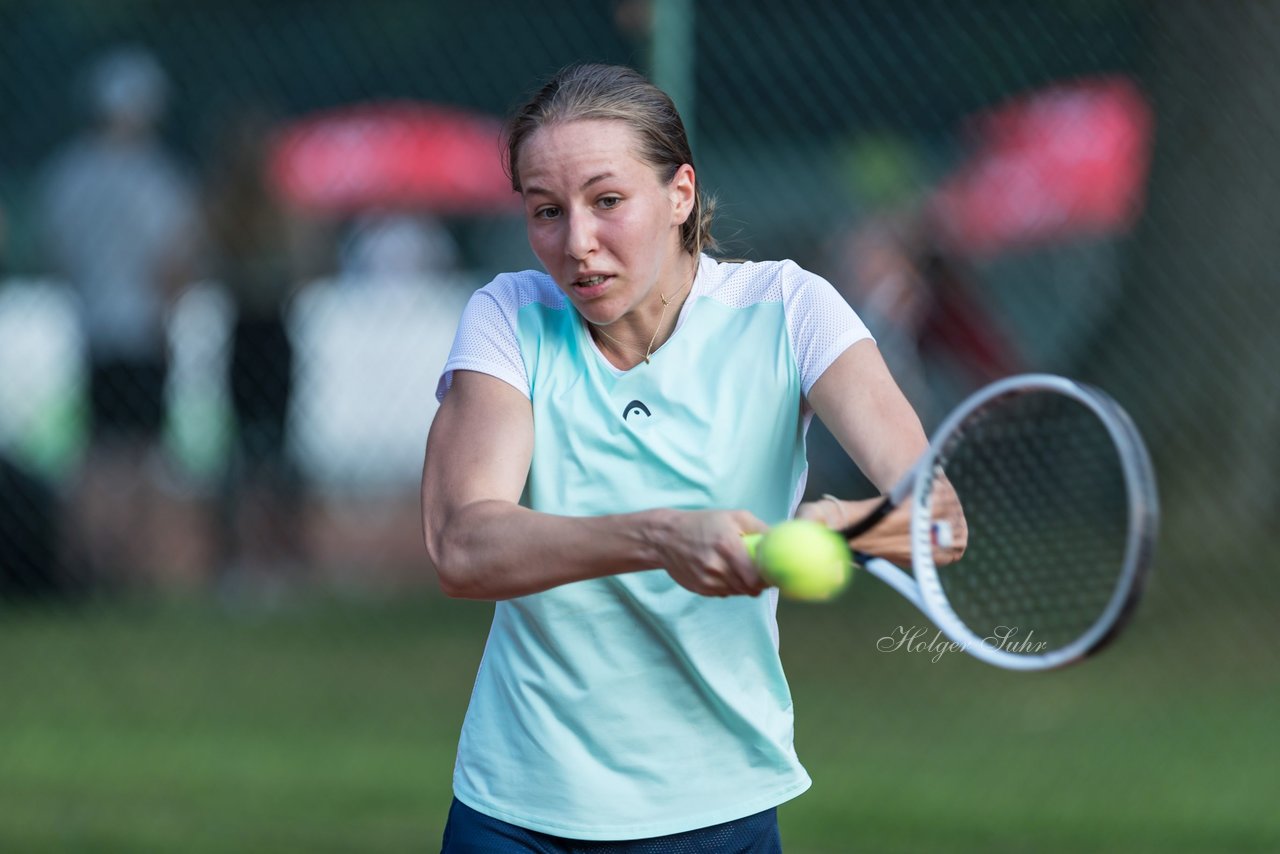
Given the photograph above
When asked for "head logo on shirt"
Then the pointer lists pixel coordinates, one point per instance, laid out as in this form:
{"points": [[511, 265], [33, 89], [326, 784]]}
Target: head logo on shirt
{"points": [[634, 407]]}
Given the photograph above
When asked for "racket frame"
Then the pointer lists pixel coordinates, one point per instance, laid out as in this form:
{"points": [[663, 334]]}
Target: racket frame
{"points": [[923, 587]]}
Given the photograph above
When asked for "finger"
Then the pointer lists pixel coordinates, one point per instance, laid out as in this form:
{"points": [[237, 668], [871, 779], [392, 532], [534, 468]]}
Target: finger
{"points": [[758, 585], [748, 523], [812, 511], [746, 575], [737, 581], [829, 511]]}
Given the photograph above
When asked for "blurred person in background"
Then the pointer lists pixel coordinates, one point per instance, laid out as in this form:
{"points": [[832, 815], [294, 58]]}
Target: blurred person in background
{"points": [[260, 253], [925, 309], [396, 247], [119, 221], [930, 324]]}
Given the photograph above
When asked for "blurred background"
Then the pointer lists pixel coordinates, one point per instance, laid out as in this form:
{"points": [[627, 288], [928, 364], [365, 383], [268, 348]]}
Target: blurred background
{"points": [[235, 239]]}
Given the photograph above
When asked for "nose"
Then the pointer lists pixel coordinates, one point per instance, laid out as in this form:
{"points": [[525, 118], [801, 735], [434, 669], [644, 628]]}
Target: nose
{"points": [[580, 240]]}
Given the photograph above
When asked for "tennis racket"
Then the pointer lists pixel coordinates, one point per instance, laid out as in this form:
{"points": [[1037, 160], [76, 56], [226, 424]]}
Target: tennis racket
{"points": [[1051, 485]]}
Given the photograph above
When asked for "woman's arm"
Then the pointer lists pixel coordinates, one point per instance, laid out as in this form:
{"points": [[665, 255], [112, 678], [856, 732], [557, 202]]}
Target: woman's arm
{"points": [[859, 402], [484, 545]]}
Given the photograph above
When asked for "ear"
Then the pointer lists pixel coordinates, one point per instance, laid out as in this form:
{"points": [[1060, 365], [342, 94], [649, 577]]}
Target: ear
{"points": [[683, 190]]}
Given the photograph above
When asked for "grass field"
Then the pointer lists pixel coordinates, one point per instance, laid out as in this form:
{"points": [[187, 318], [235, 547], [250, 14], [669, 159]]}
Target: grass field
{"points": [[330, 726]]}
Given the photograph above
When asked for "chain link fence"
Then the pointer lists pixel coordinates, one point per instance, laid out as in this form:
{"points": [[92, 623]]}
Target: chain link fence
{"points": [[211, 385], [1121, 239]]}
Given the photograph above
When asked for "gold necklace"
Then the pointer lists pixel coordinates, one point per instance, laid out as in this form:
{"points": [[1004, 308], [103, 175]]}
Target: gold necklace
{"points": [[666, 301]]}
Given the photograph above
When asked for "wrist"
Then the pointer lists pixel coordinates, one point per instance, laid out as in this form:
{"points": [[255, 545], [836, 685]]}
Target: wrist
{"points": [[653, 530]]}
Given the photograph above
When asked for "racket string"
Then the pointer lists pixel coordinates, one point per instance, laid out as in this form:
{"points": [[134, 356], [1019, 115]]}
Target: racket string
{"points": [[1043, 496]]}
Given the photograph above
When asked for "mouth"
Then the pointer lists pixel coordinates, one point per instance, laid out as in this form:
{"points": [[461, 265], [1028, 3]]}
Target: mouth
{"points": [[589, 286]]}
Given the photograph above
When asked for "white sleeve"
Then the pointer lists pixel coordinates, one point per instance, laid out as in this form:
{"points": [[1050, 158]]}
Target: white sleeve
{"points": [[822, 325], [486, 341]]}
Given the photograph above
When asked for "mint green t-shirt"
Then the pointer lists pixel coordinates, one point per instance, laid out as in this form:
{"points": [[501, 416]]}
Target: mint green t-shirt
{"points": [[627, 707]]}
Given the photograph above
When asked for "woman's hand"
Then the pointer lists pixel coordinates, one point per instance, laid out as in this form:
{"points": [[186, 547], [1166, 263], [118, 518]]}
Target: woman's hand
{"points": [[891, 537], [703, 551]]}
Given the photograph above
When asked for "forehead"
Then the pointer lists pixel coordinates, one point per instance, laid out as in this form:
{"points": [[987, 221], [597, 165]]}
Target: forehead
{"points": [[570, 152]]}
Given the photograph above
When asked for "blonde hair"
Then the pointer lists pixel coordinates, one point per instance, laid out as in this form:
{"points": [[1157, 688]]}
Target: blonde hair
{"points": [[616, 92]]}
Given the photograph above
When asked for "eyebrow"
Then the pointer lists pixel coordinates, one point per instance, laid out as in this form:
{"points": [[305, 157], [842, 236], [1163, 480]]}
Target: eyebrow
{"points": [[595, 179]]}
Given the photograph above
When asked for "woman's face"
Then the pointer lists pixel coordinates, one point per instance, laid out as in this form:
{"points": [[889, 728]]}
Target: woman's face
{"points": [[600, 219]]}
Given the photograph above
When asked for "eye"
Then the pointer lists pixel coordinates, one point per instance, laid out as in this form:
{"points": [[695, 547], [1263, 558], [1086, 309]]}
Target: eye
{"points": [[546, 212], [609, 202]]}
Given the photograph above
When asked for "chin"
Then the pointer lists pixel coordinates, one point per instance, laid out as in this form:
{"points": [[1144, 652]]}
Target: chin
{"points": [[600, 311], [597, 314]]}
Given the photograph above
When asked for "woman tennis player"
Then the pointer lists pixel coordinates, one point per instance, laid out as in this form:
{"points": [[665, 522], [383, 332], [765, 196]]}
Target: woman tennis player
{"points": [[608, 431]]}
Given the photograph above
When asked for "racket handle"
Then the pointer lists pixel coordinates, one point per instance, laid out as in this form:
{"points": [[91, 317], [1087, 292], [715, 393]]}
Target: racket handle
{"points": [[866, 523]]}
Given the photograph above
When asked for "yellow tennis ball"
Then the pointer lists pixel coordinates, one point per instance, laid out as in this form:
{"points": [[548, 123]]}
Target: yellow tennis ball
{"points": [[806, 560]]}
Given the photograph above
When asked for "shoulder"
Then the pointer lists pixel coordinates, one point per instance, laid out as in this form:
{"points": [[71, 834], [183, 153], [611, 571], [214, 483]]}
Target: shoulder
{"points": [[511, 292], [493, 325], [743, 283], [509, 303]]}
